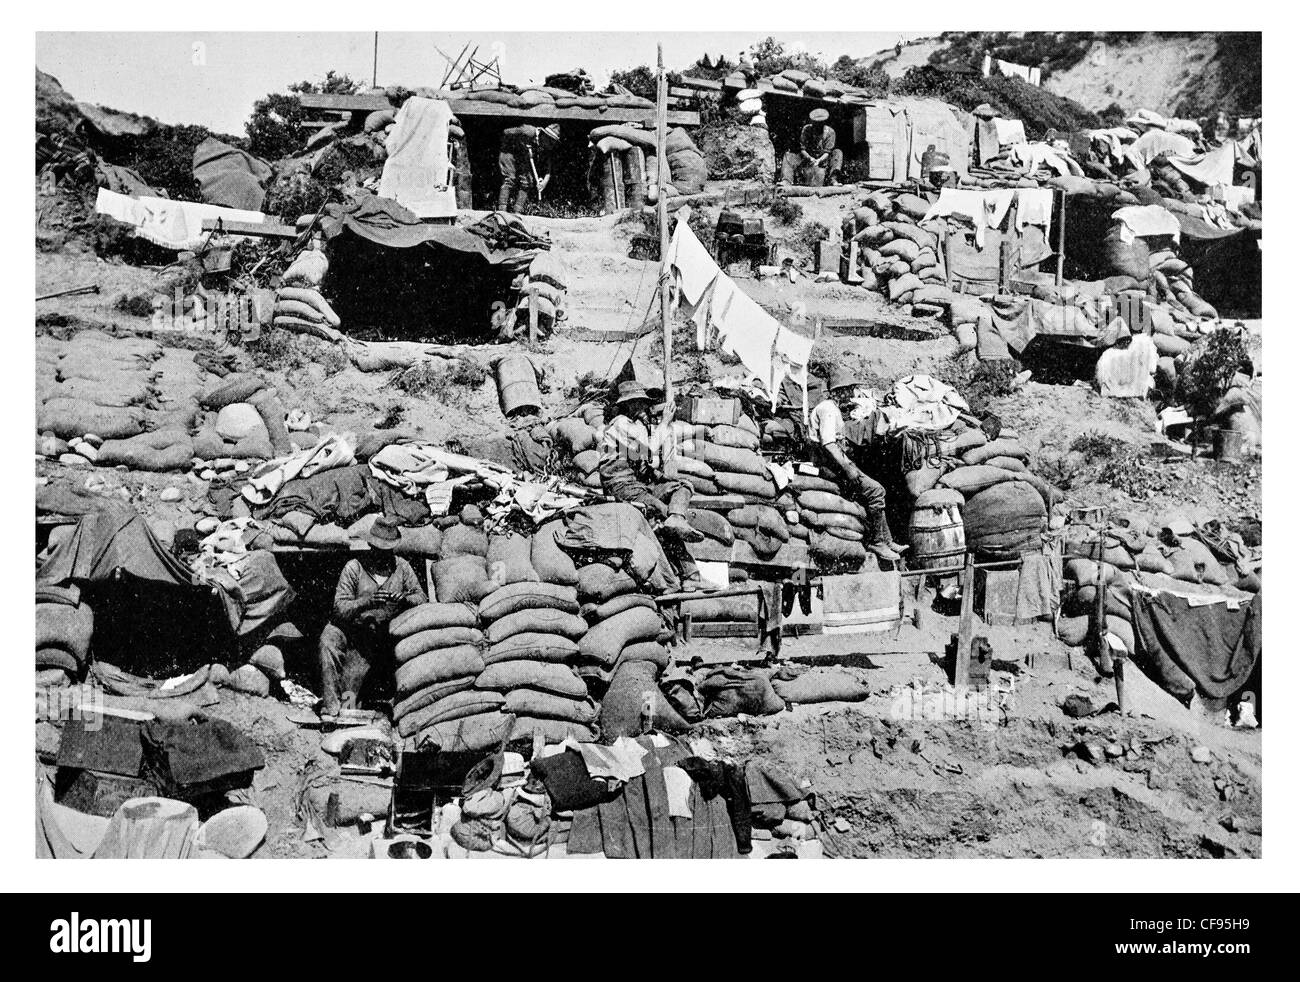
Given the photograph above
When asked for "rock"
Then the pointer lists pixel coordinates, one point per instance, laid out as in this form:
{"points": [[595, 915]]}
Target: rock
{"points": [[1201, 754], [1114, 750], [270, 660], [170, 494], [218, 674], [241, 467], [88, 451], [93, 439], [842, 826], [207, 473], [1094, 753], [249, 679], [206, 525], [73, 460], [1229, 822]]}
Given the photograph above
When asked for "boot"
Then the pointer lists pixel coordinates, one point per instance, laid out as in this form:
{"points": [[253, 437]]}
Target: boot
{"points": [[679, 527], [882, 540]]}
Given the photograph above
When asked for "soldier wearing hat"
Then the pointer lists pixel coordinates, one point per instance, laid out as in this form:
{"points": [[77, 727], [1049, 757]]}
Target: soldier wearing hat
{"points": [[836, 444], [525, 164], [636, 463], [817, 162], [372, 589]]}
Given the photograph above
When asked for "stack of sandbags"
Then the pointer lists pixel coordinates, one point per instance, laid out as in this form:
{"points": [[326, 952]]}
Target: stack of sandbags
{"points": [[63, 635], [95, 384], [243, 420], [726, 457], [835, 524], [544, 287], [303, 310], [896, 256], [685, 162], [984, 463], [532, 631], [749, 102], [438, 656]]}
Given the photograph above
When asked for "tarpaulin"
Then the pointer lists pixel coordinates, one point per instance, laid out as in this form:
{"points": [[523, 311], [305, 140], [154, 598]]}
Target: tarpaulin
{"points": [[230, 177], [386, 223], [115, 537], [1191, 646]]}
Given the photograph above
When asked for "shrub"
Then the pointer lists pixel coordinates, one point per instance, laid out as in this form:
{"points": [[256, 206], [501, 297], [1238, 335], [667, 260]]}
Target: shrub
{"points": [[785, 211], [434, 380], [1206, 379]]}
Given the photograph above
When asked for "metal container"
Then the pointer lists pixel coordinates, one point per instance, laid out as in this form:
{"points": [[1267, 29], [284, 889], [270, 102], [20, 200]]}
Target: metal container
{"points": [[517, 386]]}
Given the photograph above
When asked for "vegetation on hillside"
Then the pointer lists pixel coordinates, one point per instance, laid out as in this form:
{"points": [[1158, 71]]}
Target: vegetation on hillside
{"points": [[274, 128]]}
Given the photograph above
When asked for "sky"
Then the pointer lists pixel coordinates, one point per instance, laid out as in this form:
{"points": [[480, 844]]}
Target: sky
{"points": [[214, 78]]}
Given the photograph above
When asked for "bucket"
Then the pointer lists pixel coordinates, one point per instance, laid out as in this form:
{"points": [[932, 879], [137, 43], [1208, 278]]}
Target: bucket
{"points": [[938, 536], [517, 386]]}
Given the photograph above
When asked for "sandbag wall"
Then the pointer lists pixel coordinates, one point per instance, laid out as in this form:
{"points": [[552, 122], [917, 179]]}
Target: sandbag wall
{"points": [[64, 628], [628, 165], [896, 257], [545, 285], [500, 638], [1153, 262], [1136, 550]]}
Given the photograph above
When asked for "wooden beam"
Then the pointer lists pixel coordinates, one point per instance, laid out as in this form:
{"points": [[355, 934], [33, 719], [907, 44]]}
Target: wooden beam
{"points": [[965, 625], [677, 90], [345, 103], [477, 107], [702, 83], [266, 230]]}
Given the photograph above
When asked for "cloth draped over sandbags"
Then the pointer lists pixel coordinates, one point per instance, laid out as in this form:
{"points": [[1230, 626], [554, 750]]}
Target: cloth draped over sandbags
{"points": [[770, 351], [115, 537], [418, 173], [1193, 645], [170, 224]]}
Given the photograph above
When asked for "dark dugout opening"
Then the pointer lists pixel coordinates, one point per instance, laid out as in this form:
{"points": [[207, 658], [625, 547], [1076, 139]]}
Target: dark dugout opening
{"points": [[427, 291], [570, 162], [787, 116]]}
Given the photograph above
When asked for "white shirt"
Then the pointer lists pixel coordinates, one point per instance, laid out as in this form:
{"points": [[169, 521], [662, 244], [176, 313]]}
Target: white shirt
{"points": [[827, 423]]}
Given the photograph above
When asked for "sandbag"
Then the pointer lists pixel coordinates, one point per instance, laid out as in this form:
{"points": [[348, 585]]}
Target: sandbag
{"points": [[537, 620], [599, 582], [122, 389], [1193, 562], [689, 466], [973, 479], [825, 521], [438, 665], [236, 387], [733, 436], [821, 685], [503, 676], [602, 643], [595, 613], [588, 461], [470, 734], [433, 639], [732, 609], [749, 484], [431, 694], [711, 524], [921, 480], [551, 563], [574, 435], [67, 418], [423, 540], [1001, 447], [547, 705], [430, 616], [67, 628], [238, 420], [462, 540], [901, 286], [139, 454], [822, 501], [1008, 518], [833, 551], [272, 412], [807, 482], [622, 710], [730, 459], [648, 651], [458, 705], [509, 559], [1122, 258], [514, 597], [532, 646], [912, 205], [904, 249], [461, 579], [768, 520]]}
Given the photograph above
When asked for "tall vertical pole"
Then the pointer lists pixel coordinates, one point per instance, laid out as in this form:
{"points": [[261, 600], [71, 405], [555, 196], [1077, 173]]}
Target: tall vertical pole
{"points": [[374, 77], [1060, 244], [661, 205]]}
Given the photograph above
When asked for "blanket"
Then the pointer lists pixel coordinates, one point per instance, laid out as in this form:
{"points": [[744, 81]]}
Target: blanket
{"points": [[230, 177], [1189, 645], [418, 173]]}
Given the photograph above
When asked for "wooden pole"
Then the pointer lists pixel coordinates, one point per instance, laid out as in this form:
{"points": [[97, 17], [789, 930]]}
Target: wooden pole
{"points": [[965, 625], [1060, 244], [374, 76], [661, 202], [1099, 605]]}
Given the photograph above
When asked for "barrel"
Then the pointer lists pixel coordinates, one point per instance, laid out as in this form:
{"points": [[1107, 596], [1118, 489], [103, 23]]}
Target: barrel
{"points": [[517, 386], [938, 536], [634, 178]]}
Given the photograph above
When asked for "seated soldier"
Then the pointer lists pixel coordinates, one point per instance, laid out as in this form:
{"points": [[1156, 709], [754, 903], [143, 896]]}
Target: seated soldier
{"points": [[817, 162], [636, 465], [834, 453], [372, 590]]}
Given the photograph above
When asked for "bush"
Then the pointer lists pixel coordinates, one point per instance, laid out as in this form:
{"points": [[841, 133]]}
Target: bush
{"points": [[434, 380], [785, 211], [278, 350], [1010, 97], [136, 304], [1206, 379], [274, 129]]}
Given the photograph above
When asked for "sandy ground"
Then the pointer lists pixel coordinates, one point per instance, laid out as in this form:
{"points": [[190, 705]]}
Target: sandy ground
{"points": [[907, 775]]}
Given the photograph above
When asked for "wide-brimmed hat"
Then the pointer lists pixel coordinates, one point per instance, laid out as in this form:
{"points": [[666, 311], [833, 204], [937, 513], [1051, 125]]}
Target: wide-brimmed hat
{"points": [[383, 534], [819, 115], [553, 131], [631, 392], [983, 111], [843, 377]]}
